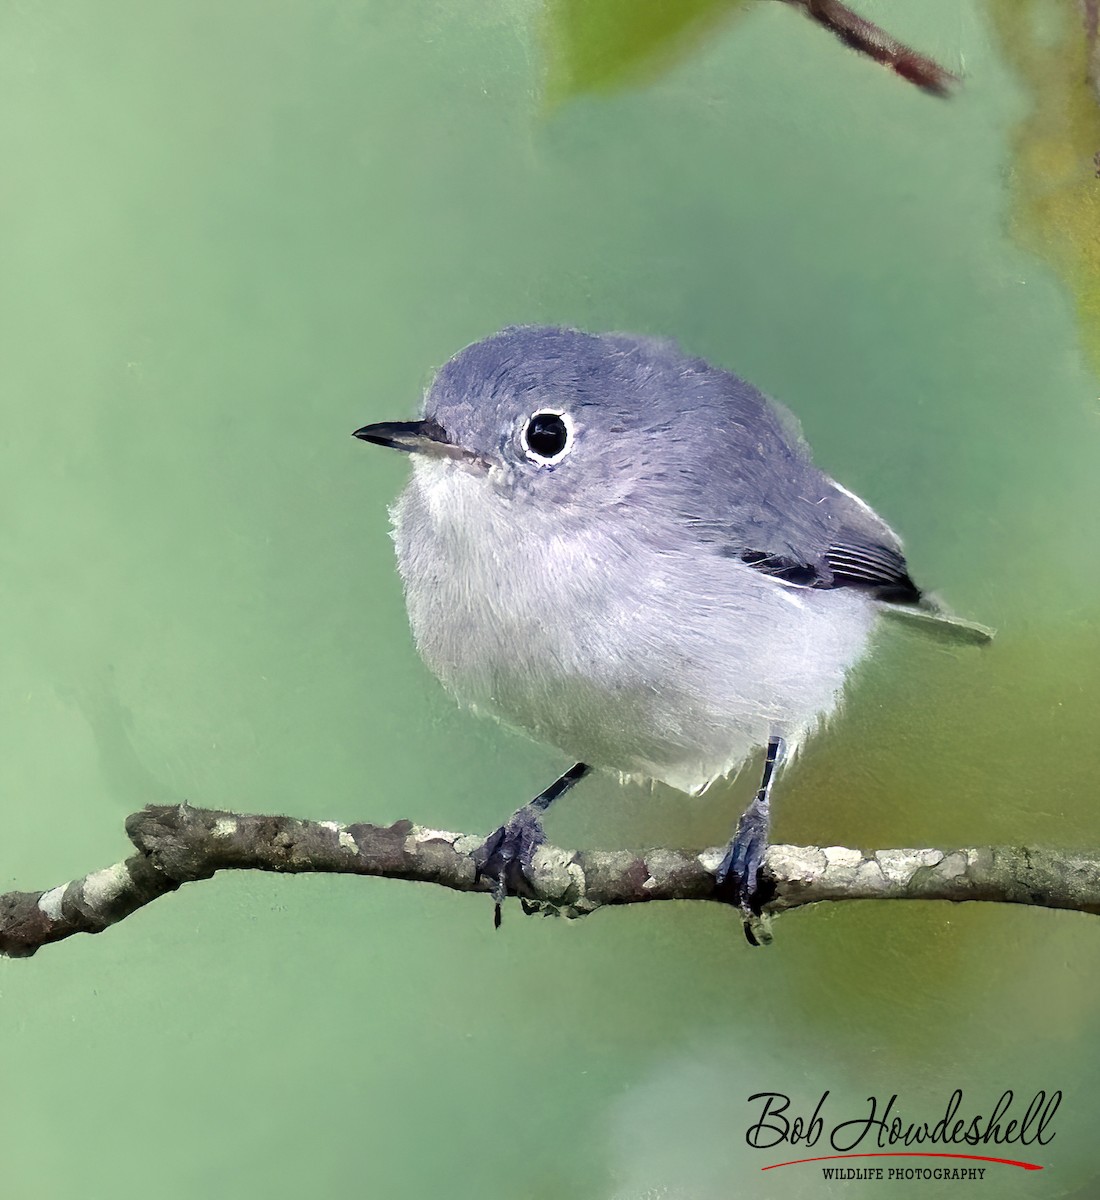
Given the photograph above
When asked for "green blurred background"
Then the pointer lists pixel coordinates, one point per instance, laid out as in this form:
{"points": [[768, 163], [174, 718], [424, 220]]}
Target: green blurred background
{"points": [[232, 233]]}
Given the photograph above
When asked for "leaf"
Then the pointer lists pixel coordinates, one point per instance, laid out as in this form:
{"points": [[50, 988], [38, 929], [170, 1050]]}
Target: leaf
{"points": [[1057, 147], [601, 45]]}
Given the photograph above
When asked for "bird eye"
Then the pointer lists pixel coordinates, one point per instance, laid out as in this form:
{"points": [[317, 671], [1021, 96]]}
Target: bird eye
{"points": [[548, 437]]}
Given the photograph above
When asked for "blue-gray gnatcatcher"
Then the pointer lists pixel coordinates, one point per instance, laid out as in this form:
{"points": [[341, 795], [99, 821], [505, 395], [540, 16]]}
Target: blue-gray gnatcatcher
{"points": [[629, 554]]}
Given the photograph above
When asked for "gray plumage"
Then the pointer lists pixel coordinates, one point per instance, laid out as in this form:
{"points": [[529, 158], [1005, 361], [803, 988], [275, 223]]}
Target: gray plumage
{"points": [[677, 586]]}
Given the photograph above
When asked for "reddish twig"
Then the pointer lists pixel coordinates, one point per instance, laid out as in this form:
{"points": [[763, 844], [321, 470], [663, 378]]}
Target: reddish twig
{"points": [[868, 38]]}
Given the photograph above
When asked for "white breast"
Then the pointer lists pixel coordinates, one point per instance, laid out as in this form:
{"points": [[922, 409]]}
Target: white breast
{"points": [[669, 664]]}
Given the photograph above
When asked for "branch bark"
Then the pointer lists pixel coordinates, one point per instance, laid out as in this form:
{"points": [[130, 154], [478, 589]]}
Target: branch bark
{"points": [[177, 845], [866, 37]]}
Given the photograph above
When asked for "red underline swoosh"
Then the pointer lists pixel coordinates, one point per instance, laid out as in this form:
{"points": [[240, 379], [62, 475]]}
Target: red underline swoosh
{"points": [[1010, 1162]]}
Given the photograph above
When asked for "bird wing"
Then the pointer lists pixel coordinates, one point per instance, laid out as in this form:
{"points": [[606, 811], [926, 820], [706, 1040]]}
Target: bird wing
{"points": [[837, 542], [864, 552], [876, 565], [733, 469]]}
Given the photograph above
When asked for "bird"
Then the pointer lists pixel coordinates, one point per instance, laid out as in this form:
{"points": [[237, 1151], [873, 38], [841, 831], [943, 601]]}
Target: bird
{"points": [[628, 554]]}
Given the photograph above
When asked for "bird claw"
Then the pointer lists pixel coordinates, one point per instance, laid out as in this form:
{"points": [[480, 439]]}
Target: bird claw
{"points": [[738, 875], [506, 856]]}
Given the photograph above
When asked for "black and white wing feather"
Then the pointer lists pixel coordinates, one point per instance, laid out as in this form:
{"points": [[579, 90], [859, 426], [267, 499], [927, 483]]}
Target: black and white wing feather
{"points": [[839, 543]]}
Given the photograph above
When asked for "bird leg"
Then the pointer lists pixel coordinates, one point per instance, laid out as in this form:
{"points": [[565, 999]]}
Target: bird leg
{"points": [[509, 850], [738, 873]]}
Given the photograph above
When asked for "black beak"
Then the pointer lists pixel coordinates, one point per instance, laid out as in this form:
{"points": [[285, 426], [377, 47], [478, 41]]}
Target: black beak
{"points": [[414, 437]]}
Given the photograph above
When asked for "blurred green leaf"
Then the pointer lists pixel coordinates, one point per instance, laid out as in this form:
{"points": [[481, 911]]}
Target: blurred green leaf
{"points": [[599, 45], [1056, 189]]}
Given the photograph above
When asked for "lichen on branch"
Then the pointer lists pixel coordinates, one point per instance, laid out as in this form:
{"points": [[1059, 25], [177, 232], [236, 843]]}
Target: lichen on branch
{"points": [[181, 844]]}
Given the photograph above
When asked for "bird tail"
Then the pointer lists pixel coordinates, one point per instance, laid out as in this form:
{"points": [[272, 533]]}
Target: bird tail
{"points": [[935, 618]]}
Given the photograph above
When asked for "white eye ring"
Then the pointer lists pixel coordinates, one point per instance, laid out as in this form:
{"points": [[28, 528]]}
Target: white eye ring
{"points": [[548, 460]]}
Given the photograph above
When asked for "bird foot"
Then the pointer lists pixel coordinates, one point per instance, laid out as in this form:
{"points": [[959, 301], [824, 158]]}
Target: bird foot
{"points": [[738, 875], [507, 854]]}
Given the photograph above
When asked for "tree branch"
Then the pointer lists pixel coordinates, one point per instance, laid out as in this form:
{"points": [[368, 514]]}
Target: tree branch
{"points": [[868, 38], [181, 844]]}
